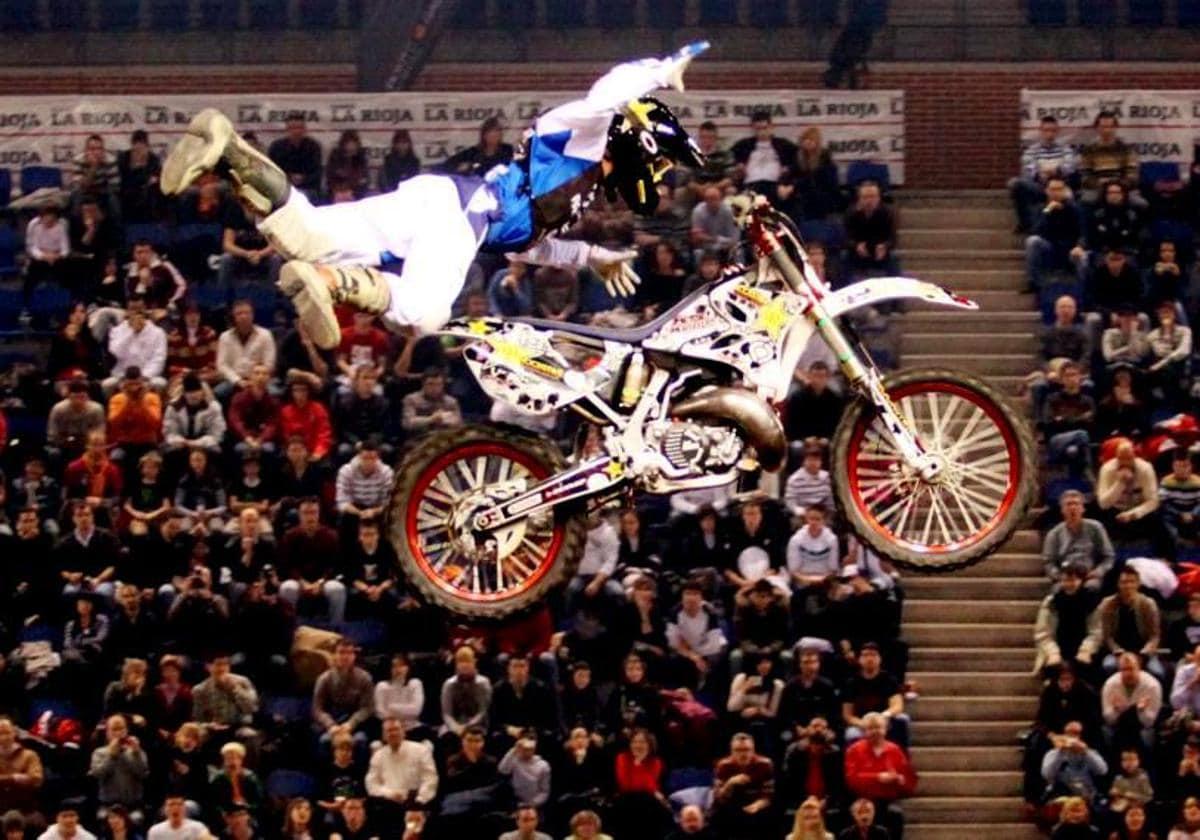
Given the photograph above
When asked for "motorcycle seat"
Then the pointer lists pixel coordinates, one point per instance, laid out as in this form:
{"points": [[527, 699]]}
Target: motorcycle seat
{"points": [[633, 335]]}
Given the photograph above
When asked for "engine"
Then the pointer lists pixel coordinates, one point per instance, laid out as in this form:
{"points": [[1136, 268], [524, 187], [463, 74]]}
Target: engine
{"points": [[693, 448]]}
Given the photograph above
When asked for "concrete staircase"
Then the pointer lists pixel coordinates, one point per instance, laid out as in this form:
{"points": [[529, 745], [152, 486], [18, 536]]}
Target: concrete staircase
{"points": [[971, 631]]}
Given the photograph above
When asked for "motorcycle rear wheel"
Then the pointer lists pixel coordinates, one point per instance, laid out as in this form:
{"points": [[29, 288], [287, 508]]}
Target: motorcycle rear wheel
{"points": [[436, 476], [988, 476]]}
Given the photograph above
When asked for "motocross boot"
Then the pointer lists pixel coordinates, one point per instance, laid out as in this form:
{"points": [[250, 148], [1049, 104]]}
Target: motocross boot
{"points": [[316, 289]]}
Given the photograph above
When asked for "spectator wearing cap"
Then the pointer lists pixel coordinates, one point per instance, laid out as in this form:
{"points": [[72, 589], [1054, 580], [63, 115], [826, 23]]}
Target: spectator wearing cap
{"points": [[192, 347], [193, 421], [1130, 623], [1127, 493], [1068, 626], [809, 485], [1056, 241], [139, 344], [763, 157], [814, 409], [254, 414], [873, 690], [364, 487], [1077, 541], [1130, 702], [71, 420], [361, 414], [307, 554], [305, 417], [240, 348]]}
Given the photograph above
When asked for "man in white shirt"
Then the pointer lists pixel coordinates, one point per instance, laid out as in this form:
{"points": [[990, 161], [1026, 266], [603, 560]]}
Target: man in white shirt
{"points": [[812, 552], [401, 773], [46, 245], [66, 826], [136, 342], [762, 158], [176, 825], [1130, 701], [695, 634], [593, 576], [240, 348], [1185, 691]]}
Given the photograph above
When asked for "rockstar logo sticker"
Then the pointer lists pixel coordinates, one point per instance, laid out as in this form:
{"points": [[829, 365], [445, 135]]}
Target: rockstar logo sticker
{"points": [[614, 470]]}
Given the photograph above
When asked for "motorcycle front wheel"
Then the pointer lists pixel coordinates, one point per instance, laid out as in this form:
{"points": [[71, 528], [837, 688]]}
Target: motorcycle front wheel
{"points": [[983, 491], [440, 484]]}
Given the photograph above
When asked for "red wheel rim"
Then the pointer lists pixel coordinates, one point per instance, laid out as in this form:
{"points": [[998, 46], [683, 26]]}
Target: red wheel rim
{"points": [[425, 499], [1000, 487]]}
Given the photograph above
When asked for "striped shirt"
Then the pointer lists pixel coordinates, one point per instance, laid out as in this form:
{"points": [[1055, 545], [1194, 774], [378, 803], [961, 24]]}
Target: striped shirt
{"points": [[1180, 495], [804, 489], [1039, 160], [812, 555], [355, 487]]}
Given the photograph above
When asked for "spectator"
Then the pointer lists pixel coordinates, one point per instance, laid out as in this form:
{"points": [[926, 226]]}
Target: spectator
{"points": [[1130, 702], [352, 821], [1180, 495], [402, 696], [137, 343], [400, 163], [224, 703], [809, 822], [1129, 621], [71, 420], [807, 697], [1133, 825], [762, 158], [466, 696], [813, 767], [1041, 161], [1114, 225], [299, 356], [74, 351], [1074, 821], [1165, 280], [120, 768], [431, 408], [743, 791], [363, 345], [1130, 786], [639, 804], [1188, 826], [235, 787], [361, 414], [175, 824], [66, 825], [1185, 690], [192, 348], [299, 479], [812, 556], [1077, 541], [240, 348], [528, 772], [47, 245], [1067, 418], [1068, 625], [873, 690], [245, 252], [510, 292], [299, 156], [153, 280], [814, 410], [1170, 351], [1066, 338], [87, 557], [526, 819], [134, 417], [585, 825], [193, 421], [1107, 159], [94, 242], [1115, 288], [695, 636], [306, 418], [346, 167], [1127, 493], [555, 293], [139, 169], [402, 773], [200, 496], [130, 697], [343, 697], [306, 564], [489, 152], [1056, 241], [364, 487], [1121, 413], [816, 176], [522, 706], [871, 234], [254, 414], [21, 774], [754, 695], [473, 785], [712, 222], [810, 485], [876, 768], [863, 827], [718, 163]]}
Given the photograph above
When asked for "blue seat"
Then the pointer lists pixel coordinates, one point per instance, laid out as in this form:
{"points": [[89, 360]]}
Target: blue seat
{"points": [[683, 778], [289, 784], [564, 13], [822, 13], [18, 15], [268, 14], [1053, 291], [368, 634], [1189, 13], [665, 14], [1147, 12], [210, 297], [288, 709], [218, 14], [719, 12], [865, 170], [768, 14], [119, 15], [169, 15], [1176, 231], [1152, 171], [48, 305], [1097, 12], [265, 299], [9, 248], [157, 235], [1055, 488], [321, 14], [5, 187], [829, 234], [12, 303], [1048, 12], [35, 177], [198, 238]]}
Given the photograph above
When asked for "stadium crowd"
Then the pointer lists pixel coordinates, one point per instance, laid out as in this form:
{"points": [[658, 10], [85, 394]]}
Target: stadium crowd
{"points": [[203, 626], [1115, 747]]}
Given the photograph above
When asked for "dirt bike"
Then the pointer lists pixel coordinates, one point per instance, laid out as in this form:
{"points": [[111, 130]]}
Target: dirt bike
{"points": [[931, 468]]}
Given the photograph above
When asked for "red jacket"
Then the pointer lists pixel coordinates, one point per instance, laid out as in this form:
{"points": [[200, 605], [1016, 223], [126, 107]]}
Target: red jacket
{"points": [[310, 422], [863, 767], [251, 416], [638, 778]]}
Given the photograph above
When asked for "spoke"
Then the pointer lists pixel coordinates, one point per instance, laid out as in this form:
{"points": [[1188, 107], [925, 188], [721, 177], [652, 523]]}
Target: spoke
{"points": [[928, 526], [983, 502], [434, 495], [972, 422], [467, 477], [430, 517], [981, 481], [935, 503], [502, 470], [481, 465], [932, 400], [885, 515], [953, 491], [447, 487], [908, 509]]}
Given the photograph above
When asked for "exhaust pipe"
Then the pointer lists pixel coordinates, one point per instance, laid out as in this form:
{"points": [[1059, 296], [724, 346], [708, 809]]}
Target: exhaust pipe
{"points": [[749, 412]]}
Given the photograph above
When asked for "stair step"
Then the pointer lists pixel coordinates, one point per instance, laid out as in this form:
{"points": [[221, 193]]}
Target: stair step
{"points": [[932, 759], [981, 343], [974, 611], [951, 217], [953, 199], [950, 587], [1005, 564], [914, 260], [958, 831], [1014, 660], [957, 238], [943, 634], [984, 681], [1011, 364], [951, 809], [1020, 321], [975, 783], [986, 707], [1000, 735], [976, 278], [1007, 300]]}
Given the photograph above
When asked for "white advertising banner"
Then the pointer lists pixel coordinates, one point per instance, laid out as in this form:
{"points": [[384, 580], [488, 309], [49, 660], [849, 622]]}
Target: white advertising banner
{"points": [[50, 130], [1163, 125]]}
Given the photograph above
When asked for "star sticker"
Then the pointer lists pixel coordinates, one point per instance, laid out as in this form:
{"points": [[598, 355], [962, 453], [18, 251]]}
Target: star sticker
{"points": [[614, 470], [773, 317], [479, 327]]}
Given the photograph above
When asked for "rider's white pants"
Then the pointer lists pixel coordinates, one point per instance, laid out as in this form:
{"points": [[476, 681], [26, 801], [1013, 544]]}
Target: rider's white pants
{"points": [[421, 222]]}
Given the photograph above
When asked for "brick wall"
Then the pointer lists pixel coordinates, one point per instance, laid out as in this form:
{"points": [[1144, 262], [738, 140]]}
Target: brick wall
{"points": [[961, 119]]}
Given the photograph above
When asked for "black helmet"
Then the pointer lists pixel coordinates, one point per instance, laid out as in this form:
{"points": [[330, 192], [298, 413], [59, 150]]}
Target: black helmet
{"points": [[644, 142]]}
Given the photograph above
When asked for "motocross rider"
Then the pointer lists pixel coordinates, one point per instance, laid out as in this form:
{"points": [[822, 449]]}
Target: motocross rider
{"points": [[616, 137]]}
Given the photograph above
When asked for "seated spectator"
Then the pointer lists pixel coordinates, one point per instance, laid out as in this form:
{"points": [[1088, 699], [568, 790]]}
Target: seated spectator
{"points": [[307, 554], [402, 773], [1170, 352], [510, 292], [712, 221], [708, 270], [472, 785], [240, 348], [305, 417], [695, 637], [1068, 625], [1114, 225], [401, 696], [585, 825], [1131, 785], [173, 711], [1185, 690], [193, 421], [138, 168], [224, 703], [71, 420], [667, 224], [809, 485], [1074, 821], [139, 344], [1127, 493], [752, 530], [1067, 417], [1166, 280], [400, 163], [718, 163], [1129, 622], [250, 491], [370, 574], [1040, 161], [634, 702], [579, 699], [364, 487], [299, 479], [1180, 495], [134, 417], [94, 241], [1121, 413], [352, 821], [120, 768], [1113, 286], [807, 697], [346, 165], [528, 772], [814, 409], [664, 273], [130, 697], [1125, 344], [526, 819], [878, 769], [1108, 158], [490, 151], [640, 807], [87, 557], [871, 234], [816, 177], [74, 351], [245, 252], [1056, 241], [200, 496], [863, 827], [155, 281], [175, 824], [343, 697], [762, 157], [431, 408], [873, 690], [364, 345], [637, 554], [234, 787], [743, 791], [813, 769], [760, 622], [555, 293], [254, 414], [299, 356], [1188, 825], [266, 625], [47, 246], [813, 557], [198, 619], [1066, 338], [299, 156], [466, 696], [192, 348], [521, 706], [1130, 702], [84, 646], [66, 825], [360, 415], [754, 697], [22, 773]]}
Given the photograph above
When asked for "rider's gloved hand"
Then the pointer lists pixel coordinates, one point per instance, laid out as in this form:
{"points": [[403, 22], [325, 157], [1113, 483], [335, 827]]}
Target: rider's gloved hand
{"points": [[679, 60], [613, 267]]}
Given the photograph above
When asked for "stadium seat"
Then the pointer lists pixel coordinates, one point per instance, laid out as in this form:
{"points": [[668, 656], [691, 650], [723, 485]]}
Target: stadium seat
{"points": [[48, 305], [665, 14], [865, 170], [768, 14], [268, 14], [564, 13], [219, 14], [1152, 171], [8, 252], [211, 297], [12, 304], [1147, 12], [36, 177], [367, 634], [718, 12], [169, 15], [322, 14], [1178, 232], [63, 14], [872, 13], [821, 13], [288, 709], [119, 15], [156, 235], [514, 14], [1097, 12], [829, 234], [617, 14], [5, 187], [283, 785], [263, 297], [18, 15], [1048, 12], [682, 778], [1189, 13]]}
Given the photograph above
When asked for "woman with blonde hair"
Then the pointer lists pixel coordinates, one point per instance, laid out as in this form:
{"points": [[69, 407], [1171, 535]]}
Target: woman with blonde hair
{"points": [[815, 176], [810, 822]]}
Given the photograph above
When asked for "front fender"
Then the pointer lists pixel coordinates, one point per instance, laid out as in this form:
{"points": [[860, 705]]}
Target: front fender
{"points": [[876, 289]]}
